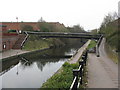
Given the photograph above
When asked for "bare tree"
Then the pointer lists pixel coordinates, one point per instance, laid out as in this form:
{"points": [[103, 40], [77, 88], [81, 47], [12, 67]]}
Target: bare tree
{"points": [[41, 20]]}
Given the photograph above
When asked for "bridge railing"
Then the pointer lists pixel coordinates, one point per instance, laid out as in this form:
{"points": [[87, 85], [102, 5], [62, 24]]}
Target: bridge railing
{"points": [[64, 34], [79, 73], [24, 39]]}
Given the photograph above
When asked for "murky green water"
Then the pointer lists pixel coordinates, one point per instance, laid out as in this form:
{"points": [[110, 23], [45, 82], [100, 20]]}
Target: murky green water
{"points": [[32, 70]]}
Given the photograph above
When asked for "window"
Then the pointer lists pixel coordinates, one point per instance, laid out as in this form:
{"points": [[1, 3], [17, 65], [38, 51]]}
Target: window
{"points": [[4, 45]]}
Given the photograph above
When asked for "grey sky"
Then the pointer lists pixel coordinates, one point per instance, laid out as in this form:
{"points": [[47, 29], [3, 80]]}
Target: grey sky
{"points": [[87, 13]]}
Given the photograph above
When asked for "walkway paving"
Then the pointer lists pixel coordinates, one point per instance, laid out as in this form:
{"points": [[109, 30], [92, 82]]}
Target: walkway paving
{"points": [[10, 53], [79, 53], [102, 71]]}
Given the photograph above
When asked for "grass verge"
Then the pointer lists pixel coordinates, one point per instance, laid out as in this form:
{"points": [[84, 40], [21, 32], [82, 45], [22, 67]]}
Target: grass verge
{"points": [[92, 44], [63, 78], [36, 45]]}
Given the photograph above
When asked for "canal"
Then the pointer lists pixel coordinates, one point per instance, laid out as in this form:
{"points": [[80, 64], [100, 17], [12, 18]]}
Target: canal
{"points": [[33, 69]]}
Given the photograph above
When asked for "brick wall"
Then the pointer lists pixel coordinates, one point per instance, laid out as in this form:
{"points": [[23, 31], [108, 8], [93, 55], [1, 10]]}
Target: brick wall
{"points": [[8, 42], [18, 25]]}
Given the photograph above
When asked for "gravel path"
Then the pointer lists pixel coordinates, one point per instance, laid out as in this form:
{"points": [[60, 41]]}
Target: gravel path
{"points": [[102, 71]]}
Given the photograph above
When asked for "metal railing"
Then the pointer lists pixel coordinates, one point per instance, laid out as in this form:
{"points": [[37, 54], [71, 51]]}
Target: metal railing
{"points": [[79, 73], [24, 39], [63, 35], [97, 46]]}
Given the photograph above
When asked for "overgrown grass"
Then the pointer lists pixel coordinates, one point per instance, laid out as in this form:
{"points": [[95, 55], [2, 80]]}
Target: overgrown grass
{"points": [[35, 42], [111, 53], [63, 78], [92, 44], [36, 45]]}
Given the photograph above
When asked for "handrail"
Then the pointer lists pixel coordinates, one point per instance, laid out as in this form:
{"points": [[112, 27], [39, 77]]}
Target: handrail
{"points": [[72, 85], [79, 82], [63, 35], [97, 46], [78, 73], [24, 39], [79, 67]]}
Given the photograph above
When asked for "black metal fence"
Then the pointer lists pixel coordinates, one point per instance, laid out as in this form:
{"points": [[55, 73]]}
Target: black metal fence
{"points": [[79, 73]]}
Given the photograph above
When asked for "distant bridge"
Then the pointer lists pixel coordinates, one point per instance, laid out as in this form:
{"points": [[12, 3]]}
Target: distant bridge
{"points": [[64, 35]]}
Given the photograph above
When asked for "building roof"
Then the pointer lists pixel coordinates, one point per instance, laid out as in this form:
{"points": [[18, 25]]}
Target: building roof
{"points": [[17, 25]]}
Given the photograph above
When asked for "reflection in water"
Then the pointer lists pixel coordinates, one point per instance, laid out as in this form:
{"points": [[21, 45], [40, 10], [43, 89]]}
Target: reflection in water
{"points": [[33, 69]]}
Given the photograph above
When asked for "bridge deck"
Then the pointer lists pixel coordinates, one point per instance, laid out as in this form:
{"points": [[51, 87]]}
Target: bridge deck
{"points": [[64, 35]]}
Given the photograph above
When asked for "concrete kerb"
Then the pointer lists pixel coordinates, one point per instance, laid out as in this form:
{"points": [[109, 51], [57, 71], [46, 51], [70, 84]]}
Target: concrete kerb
{"points": [[79, 53], [20, 54]]}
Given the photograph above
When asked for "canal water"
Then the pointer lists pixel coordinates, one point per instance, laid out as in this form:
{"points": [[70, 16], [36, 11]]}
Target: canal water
{"points": [[33, 69]]}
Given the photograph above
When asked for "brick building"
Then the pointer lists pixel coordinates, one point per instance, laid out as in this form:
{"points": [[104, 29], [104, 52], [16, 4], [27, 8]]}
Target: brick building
{"points": [[13, 40], [18, 25], [7, 40]]}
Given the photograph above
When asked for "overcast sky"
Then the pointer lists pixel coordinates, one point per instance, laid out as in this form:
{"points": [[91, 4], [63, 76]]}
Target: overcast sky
{"points": [[87, 13]]}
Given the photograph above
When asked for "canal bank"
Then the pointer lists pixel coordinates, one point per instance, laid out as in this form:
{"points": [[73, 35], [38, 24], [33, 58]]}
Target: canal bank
{"points": [[79, 53], [10, 53], [31, 70], [63, 77], [15, 53]]}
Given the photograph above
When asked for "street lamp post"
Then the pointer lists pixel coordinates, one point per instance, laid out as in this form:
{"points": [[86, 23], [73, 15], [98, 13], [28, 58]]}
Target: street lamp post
{"points": [[17, 23]]}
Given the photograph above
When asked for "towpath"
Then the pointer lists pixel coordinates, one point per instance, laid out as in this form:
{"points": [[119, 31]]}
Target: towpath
{"points": [[79, 53], [102, 71]]}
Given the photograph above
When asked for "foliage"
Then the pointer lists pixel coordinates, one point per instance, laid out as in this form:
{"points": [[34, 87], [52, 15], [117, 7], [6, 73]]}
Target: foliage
{"points": [[44, 27], [94, 31], [76, 29], [26, 28], [36, 43], [63, 79], [109, 28], [51, 27], [111, 53], [41, 20], [92, 44]]}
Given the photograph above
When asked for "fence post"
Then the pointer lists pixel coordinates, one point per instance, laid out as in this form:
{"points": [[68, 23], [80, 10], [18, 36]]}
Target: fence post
{"points": [[84, 59], [75, 74], [86, 54], [81, 71]]}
